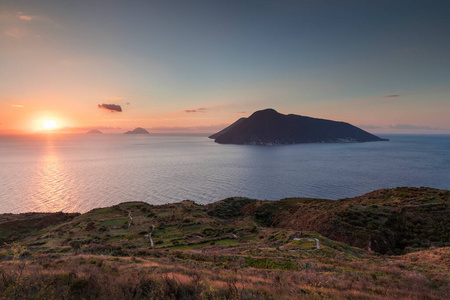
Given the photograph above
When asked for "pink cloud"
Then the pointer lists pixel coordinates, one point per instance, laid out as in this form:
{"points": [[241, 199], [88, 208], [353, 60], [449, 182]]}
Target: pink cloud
{"points": [[25, 17], [391, 96], [197, 110], [28, 18]]}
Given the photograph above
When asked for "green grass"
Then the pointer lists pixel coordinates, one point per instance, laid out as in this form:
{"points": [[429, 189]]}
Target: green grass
{"points": [[195, 227], [115, 222]]}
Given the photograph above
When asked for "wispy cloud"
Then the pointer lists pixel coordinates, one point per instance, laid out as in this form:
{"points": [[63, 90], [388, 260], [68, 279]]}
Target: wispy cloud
{"points": [[27, 18], [17, 105], [237, 112], [369, 126], [191, 129], [24, 17], [197, 110], [110, 107], [85, 128], [391, 96], [206, 109], [414, 127], [16, 24]]}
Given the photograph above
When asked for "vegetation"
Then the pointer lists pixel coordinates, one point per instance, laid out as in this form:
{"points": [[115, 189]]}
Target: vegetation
{"points": [[15, 227], [394, 221], [235, 249]]}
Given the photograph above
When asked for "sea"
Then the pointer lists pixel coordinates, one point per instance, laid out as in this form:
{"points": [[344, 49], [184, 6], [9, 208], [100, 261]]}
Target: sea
{"points": [[76, 173]]}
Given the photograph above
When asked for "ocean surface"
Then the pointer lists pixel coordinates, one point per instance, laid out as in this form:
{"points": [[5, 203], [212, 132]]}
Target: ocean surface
{"points": [[80, 172]]}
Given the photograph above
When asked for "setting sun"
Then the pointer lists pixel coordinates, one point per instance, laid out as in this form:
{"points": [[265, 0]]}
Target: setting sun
{"points": [[49, 124]]}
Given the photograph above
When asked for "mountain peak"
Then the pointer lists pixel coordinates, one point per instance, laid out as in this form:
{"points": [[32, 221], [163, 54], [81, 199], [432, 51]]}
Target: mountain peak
{"points": [[266, 112]]}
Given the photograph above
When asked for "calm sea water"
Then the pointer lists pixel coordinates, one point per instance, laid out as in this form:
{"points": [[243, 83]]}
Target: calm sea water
{"points": [[80, 172]]}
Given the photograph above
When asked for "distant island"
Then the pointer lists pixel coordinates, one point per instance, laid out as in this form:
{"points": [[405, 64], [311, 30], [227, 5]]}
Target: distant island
{"points": [[269, 127], [94, 131], [138, 130]]}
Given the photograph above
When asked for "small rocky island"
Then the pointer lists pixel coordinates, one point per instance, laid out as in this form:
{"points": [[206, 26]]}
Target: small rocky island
{"points": [[137, 130], [268, 127], [94, 131]]}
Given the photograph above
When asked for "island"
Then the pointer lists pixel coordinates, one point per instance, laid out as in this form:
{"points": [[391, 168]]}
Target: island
{"points": [[217, 134], [269, 127], [94, 131], [138, 130]]}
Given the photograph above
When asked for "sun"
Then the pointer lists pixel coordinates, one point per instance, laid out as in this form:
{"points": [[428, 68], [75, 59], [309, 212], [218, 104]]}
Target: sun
{"points": [[49, 124]]}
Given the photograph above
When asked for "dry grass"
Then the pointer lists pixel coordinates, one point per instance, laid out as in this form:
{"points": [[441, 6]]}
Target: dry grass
{"points": [[222, 251], [106, 277]]}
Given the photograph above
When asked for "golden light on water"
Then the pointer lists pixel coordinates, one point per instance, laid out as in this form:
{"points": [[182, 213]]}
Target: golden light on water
{"points": [[50, 184]]}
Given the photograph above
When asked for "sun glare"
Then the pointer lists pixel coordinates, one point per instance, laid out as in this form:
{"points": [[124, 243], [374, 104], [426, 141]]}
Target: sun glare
{"points": [[49, 124]]}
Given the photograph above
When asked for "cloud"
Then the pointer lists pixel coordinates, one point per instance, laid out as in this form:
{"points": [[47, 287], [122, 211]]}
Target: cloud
{"points": [[28, 18], [391, 96], [191, 129], [205, 109], [408, 126], [197, 110], [24, 17], [369, 126], [87, 128], [84, 129], [16, 25], [17, 105], [110, 107]]}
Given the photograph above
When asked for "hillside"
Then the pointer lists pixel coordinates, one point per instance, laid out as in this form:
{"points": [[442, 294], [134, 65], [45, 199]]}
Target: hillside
{"points": [[268, 127], [217, 134], [14, 227], [237, 248], [386, 221]]}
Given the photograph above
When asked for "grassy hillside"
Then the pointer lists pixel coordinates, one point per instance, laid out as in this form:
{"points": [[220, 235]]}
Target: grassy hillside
{"points": [[236, 248], [390, 221], [19, 226]]}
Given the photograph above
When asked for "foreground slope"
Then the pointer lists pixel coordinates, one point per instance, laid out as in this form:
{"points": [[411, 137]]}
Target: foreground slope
{"points": [[237, 248], [268, 127], [386, 221]]}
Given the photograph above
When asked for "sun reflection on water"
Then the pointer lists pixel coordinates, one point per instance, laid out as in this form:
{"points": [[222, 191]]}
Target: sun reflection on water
{"points": [[52, 188]]}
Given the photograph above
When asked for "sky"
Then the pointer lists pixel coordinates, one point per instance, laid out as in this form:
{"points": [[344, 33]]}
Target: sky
{"points": [[197, 66]]}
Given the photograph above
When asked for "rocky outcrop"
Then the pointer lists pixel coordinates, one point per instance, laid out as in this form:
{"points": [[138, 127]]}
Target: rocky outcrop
{"points": [[94, 131], [138, 130]]}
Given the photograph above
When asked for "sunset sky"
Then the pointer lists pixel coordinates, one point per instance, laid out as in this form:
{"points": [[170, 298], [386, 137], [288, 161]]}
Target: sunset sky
{"points": [[197, 66]]}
